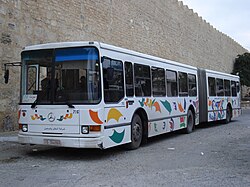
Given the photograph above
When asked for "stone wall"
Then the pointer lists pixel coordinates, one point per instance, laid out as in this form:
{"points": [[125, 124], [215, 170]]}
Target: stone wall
{"points": [[158, 27]]}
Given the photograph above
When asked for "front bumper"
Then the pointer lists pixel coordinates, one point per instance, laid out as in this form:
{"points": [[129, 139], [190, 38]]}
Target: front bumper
{"points": [[75, 142]]}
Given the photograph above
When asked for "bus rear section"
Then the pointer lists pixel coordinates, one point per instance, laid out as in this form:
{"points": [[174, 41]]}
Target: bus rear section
{"points": [[219, 96]]}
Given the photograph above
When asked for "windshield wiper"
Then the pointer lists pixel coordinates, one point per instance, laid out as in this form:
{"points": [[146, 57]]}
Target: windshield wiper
{"points": [[70, 104], [34, 104]]}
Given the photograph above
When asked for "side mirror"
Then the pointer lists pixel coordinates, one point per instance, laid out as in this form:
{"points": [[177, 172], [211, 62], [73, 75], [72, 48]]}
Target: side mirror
{"points": [[6, 76]]}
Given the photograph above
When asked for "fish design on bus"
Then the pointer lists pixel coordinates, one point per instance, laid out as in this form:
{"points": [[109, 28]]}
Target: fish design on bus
{"points": [[94, 116], [117, 137]]}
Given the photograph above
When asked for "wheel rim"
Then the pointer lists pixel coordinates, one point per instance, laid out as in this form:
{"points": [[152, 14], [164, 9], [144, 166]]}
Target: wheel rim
{"points": [[228, 114], [136, 132], [190, 122]]}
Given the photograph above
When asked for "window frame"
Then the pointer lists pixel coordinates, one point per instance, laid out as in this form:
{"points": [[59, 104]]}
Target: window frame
{"points": [[122, 81], [193, 83], [142, 78], [181, 93], [210, 86], [163, 93], [125, 79], [218, 87], [171, 83]]}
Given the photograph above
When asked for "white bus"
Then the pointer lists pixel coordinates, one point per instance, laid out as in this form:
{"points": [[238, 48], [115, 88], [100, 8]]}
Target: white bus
{"points": [[94, 95]]}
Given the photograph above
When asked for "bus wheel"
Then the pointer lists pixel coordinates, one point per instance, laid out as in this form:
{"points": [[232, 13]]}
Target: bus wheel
{"points": [[190, 122], [136, 133], [228, 116]]}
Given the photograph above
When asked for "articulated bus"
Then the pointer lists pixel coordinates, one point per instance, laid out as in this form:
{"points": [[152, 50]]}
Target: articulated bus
{"points": [[95, 95]]}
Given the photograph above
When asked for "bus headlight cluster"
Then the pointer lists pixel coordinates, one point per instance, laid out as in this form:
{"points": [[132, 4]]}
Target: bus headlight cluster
{"points": [[92, 128], [23, 127], [85, 129]]}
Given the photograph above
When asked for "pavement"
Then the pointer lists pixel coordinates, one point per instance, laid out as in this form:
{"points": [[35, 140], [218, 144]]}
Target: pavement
{"points": [[9, 136]]}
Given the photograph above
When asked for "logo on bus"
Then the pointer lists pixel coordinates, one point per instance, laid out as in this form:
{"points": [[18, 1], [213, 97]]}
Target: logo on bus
{"points": [[51, 117]]}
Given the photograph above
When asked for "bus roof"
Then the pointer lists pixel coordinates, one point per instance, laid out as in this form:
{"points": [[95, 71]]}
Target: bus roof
{"points": [[142, 55], [104, 46], [221, 73], [116, 49]]}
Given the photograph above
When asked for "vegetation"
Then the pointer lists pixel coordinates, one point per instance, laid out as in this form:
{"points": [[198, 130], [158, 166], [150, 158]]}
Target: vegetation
{"points": [[242, 68]]}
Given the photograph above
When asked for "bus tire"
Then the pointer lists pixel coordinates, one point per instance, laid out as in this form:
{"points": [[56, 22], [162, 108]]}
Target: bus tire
{"points": [[136, 133], [190, 122], [228, 115]]}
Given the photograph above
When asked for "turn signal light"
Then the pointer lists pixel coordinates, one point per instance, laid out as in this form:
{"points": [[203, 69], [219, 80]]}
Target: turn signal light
{"points": [[95, 128]]}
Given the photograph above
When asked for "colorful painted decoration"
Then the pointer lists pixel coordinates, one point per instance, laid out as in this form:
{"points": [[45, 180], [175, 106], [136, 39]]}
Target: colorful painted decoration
{"points": [[150, 103], [185, 104], [164, 125], [35, 117], [181, 109], [182, 122], [94, 116], [157, 107], [142, 102], [175, 105], [155, 127], [114, 114], [171, 124], [167, 105], [67, 116], [117, 137]]}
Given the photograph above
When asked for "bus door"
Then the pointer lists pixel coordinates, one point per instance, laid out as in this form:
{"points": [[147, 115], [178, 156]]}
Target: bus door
{"points": [[116, 123]]}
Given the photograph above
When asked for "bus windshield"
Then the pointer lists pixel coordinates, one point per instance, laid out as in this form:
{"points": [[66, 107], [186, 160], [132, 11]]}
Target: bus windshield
{"points": [[58, 76]]}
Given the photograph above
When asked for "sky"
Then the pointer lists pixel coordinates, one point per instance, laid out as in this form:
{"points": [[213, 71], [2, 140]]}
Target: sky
{"points": [[231, 17]]}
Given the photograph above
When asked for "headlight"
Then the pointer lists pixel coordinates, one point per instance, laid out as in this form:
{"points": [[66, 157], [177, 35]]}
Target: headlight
{"points": [[85, 129], [25, 128]]}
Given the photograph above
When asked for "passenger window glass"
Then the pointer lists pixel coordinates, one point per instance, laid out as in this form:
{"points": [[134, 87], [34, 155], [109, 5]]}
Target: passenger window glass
{"points": [[238, 87], [113, 80], [233, 87], [211, 85], [183, 87], [158, 82], [142, 80], [227, 88], [192, 87], [129, 79], [219, 87], [32, 79], [171, 77]]}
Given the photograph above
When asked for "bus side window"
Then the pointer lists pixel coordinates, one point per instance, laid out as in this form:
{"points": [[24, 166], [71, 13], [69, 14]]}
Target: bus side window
{"points": [[129, 79], [211, 86], [158, 82], [192, 87], [219, 87], [171, 77], [233, 87], [142, 80], [183, 86], [227, 88], [113, 80], [238, 87]]}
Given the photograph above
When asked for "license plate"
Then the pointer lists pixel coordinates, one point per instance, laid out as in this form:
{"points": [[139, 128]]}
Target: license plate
{"points": [[52, 142]]}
